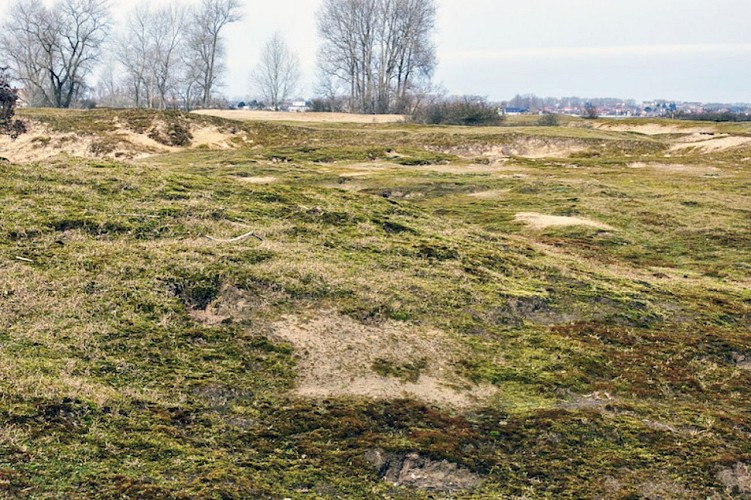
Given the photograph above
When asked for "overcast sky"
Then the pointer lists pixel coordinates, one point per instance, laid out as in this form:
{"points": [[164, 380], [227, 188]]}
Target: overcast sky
{"points": [[643, 49]]}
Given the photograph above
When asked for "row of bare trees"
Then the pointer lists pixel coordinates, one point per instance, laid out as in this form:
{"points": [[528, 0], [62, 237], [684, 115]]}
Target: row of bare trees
{"points": [[169, 54], [173, 53], [377, 52], [376, 55]]}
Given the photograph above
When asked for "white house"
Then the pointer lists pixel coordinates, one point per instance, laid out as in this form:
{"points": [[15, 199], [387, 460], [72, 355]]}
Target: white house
{"points": [[298, 107]]}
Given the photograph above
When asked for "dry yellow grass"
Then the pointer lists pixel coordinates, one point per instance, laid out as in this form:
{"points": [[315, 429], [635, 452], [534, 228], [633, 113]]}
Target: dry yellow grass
{"points": [[300, 117]]}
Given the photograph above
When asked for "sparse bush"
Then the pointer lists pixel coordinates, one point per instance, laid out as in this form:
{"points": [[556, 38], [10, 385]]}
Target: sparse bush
{"points": [[548, 120], [8, 100], [326, 105], [87, 104], [590, 111], [465, 110], [171, 134], [179, 134]]}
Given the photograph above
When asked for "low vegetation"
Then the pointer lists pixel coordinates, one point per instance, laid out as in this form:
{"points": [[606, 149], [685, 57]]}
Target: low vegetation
{"points": [[513, 311], [466, 110]]}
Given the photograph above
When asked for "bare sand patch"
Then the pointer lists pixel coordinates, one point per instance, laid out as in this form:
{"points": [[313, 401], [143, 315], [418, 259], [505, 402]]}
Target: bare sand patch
{"points": [[655, 129], [702, 143], [675, 168], [541, 221], [525, 147], [358, 173], [247, 115], [491, 194], [338, 355], [144, 145], [257, 180], [39, 143], [210, 137], [539, 148]]}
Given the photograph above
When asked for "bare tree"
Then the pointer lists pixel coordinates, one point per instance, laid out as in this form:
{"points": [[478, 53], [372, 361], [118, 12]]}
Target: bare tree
{"points": [[110, 90], [205, 42], [166, 32], [278, 72], [135, 53], [381, 50], [150, 51], [53, 50]]}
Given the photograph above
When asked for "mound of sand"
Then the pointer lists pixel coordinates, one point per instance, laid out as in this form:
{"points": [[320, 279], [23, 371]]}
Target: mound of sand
{"points": [[338, 357], [41, 143], [542, 221]]}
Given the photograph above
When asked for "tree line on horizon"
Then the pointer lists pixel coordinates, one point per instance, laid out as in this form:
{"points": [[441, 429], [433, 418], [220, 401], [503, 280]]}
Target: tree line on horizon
{"points": [[376, 56]]}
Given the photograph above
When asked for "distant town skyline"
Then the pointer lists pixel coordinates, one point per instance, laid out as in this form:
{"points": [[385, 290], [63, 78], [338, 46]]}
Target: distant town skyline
{"points": [[686, 50]]}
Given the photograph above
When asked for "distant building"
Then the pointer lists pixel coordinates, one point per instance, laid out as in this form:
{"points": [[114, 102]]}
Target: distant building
{"points": [[298, 107]]}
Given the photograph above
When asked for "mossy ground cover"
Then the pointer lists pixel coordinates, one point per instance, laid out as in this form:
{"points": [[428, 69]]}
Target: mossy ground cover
{"points": [[615, 352]]}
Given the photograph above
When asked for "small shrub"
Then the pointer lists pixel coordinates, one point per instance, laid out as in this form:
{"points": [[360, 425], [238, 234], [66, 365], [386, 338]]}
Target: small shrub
{"points": [[41, 141], [179, 134], [548, 120], [407, 371], [175, 134], [103, 147], [590, 111], [466, 110]]}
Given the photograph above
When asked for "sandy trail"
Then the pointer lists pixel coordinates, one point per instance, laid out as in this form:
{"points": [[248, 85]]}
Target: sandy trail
{"points": [[300, 117]]}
